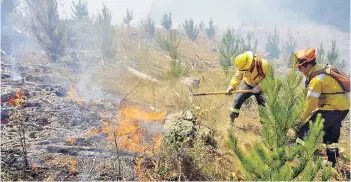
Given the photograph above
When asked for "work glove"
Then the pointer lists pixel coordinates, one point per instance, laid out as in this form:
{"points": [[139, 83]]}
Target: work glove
{"points": [[229, 90], [256, 89], [291, 133]]}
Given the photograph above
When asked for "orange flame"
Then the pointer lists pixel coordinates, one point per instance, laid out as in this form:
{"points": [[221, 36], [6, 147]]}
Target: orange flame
{"points": [[16, 100], [70, 140], [72, 94], [129, 134]]}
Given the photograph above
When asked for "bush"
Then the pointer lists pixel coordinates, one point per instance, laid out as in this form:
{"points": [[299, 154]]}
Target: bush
{"points": [[47, 28], [107, 32], [272, 45], [166, 21], [128, 18], [210, 31], [148, 26], [79, 10], [191, 30]]}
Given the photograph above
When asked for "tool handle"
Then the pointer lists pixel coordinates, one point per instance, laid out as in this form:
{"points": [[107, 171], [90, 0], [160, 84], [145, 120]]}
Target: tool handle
{"points": [[221, 93]]}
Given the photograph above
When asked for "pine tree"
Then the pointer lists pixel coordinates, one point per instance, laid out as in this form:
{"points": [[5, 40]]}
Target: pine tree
{"points": [[201, 26], [191, 30], [229, 48], [290, 45], [273, 158], [166, 21], [79, 9], [128, 18], [47, 27], [170, 41], [321, 55], [272, 45], [210, 31], [148, 26], [333, 54], [107, 32]]}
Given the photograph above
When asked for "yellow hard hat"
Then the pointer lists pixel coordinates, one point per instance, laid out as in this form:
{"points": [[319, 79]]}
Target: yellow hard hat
{"points": [[243, 61]]}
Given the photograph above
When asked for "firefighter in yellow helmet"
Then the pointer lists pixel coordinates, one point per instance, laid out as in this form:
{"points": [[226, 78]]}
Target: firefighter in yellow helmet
{"points": [[326, 96], [251, 69]]}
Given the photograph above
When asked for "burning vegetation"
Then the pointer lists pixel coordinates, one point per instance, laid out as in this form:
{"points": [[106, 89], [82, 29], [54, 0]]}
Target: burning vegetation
{"points": [[95, 101]]}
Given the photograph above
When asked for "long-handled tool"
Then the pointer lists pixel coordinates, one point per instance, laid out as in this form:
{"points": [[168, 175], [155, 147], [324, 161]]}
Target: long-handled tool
{"points": [[221, 93]]}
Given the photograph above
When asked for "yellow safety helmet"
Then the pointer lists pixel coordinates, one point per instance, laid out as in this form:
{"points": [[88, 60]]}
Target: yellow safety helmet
{"points": [[243, 61]]}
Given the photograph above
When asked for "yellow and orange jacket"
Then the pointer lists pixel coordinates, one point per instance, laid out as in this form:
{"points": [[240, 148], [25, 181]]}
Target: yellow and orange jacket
{"points": [[315, 99], [251, 78]]}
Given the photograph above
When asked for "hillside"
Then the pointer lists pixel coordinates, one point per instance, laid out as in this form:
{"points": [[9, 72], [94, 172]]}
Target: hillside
{"points": [[95, 101]]}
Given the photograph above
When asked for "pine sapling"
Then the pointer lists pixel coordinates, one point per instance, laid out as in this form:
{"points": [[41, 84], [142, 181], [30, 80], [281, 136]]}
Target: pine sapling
{"points": [[290, 45], [148, 26], [191, 30], [106, 31], [47, 27], [274, 158], [79, 9], [333, 55], [228, 48], [272, 45], [169, 42], [210, 31], [166, 21], [321, 55], [128, 18], [201, 26]]}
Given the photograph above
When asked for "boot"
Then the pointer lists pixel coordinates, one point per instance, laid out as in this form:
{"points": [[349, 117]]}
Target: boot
{"points": [[333, 154], [233, 115]]}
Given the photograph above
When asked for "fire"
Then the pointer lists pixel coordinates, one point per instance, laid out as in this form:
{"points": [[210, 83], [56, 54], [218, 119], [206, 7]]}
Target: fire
{"points": [[70, 140], [17, 99], [129, 134], [72, 94]]}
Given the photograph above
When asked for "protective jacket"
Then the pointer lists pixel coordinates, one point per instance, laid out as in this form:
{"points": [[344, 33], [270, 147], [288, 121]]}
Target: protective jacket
{"points": [[322, 95], [251, 77]]}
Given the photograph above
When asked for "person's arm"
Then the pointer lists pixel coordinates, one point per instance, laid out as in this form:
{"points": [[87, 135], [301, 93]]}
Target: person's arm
{"points": [[236, 80], [313, 94]]}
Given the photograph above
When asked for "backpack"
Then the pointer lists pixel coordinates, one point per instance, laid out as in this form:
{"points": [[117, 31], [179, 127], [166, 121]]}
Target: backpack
{"points": [[337, 74], [259, 67]]}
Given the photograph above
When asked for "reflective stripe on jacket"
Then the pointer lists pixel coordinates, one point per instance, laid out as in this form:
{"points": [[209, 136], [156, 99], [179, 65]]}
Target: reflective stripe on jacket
{"points": [[315, 98]]}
